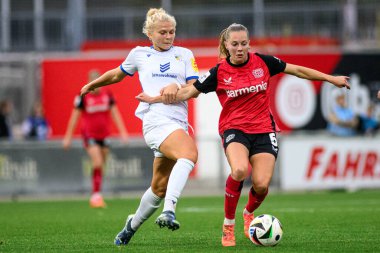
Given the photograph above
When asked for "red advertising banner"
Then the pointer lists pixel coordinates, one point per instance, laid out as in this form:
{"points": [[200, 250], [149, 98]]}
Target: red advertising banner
{"points": [[296, 103], [62, 80]]}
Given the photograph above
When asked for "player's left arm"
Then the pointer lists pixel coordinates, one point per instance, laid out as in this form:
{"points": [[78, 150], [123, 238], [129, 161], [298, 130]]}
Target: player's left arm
{"points": [[312, 74], [116, 116]]}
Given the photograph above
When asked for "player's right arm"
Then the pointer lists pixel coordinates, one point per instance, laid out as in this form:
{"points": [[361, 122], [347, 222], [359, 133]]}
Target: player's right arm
{"points": [[182, 95], [205, 84], [111, 76], [70, 128]]}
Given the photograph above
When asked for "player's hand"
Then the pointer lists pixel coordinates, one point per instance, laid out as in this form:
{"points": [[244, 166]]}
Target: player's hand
{"points": [[86, 89], [66, 143], [124, 138], [142, 97], [169, 93], [340, 81]]}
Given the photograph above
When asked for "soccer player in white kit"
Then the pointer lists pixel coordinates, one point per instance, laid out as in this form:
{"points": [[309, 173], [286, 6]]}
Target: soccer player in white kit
{"points": [[164, 126]]}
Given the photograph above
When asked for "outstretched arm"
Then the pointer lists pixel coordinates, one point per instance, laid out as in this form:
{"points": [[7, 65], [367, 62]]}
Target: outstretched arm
{"points": [[182, 95], [312, 74], [111, 76]]}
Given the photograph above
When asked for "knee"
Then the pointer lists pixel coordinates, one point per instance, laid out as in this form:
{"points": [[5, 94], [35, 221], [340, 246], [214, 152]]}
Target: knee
{"points": [[261, 188], [97, 163], [239, 173], [193, 156]]}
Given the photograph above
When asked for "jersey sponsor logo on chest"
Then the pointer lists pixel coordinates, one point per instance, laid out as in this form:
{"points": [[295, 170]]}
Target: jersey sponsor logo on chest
{"points": [[97, 108], [246, 90], [164, 67]]}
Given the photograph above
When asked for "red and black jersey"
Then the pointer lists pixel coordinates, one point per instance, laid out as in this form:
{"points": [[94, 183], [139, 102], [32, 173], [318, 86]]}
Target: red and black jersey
{"points": [[95, 122], [243, 92]]}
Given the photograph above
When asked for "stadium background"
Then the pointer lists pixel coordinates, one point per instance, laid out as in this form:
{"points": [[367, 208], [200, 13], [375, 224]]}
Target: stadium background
{"points": [[47, 48]]}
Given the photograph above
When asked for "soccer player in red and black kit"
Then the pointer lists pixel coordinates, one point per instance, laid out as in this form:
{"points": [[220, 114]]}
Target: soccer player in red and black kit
{"points": [[95, 109], [246, 124]]}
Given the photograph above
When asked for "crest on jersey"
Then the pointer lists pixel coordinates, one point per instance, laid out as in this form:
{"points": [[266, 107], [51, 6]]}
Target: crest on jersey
{"points": [[258, 73], [178, 57], [227, 81], [164, 67]]}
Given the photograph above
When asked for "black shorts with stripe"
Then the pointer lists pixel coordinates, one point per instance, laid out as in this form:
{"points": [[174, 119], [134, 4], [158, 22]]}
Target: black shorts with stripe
{"points": [[255, 143], [104, 143]]}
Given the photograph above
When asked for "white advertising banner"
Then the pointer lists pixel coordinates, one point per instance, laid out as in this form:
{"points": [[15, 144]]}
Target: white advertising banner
{"points": [[329, 163]]}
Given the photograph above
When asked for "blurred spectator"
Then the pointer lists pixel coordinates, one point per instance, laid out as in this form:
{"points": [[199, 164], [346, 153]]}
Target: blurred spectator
{"points": [[368, 123], [342, 119], [35, 126], [5, 124]]}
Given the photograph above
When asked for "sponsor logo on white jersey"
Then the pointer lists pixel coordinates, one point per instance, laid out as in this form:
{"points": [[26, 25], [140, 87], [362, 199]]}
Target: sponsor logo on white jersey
{"points": [[227, 81], [251, 89], [257, 73], [164, 67]]}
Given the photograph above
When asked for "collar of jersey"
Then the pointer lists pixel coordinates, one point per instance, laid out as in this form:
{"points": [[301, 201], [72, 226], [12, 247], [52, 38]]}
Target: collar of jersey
{"points": [[237, 65], [152, 47]]}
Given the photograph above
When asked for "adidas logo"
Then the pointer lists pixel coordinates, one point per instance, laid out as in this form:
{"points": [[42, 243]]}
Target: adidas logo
{"points": [[227, 81]]}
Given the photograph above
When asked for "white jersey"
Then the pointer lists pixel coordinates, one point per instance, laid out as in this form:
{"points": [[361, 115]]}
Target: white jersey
{"points": [[158, 69]]}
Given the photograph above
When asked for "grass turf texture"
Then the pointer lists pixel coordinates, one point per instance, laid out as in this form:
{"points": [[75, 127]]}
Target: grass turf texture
{"points": [[312, 222]]}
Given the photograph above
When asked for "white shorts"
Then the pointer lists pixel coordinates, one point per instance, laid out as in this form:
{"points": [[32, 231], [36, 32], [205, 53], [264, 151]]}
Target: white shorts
{"points": [[157, 127]]}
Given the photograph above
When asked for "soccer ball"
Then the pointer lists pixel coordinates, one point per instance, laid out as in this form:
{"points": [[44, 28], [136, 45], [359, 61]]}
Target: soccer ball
{"points": [[265, 230]]}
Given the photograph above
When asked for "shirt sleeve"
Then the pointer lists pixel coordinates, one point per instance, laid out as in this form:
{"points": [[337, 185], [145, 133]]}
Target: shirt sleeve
{"points": [[129, 64], [207, 82], [78, 102], [192, 71], [275, 65]]}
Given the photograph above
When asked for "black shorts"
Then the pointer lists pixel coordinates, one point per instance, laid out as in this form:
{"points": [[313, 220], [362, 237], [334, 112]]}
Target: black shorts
{"points": [[255, 143], [104, 143]]}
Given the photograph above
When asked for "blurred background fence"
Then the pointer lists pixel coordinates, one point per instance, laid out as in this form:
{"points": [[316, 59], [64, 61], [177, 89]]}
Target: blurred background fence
{"points": [[41, 25]]}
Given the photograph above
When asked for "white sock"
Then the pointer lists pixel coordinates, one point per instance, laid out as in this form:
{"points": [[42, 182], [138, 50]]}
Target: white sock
{"points": [[229, 221], [177, 180], [149, 203]]}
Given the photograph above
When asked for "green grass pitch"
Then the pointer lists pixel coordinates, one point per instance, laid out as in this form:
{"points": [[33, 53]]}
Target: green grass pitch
{"points": [[312, 222]]}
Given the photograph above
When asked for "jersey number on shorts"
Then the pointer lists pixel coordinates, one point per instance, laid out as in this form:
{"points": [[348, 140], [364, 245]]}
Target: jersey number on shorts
{"points": [[273, 139]]}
